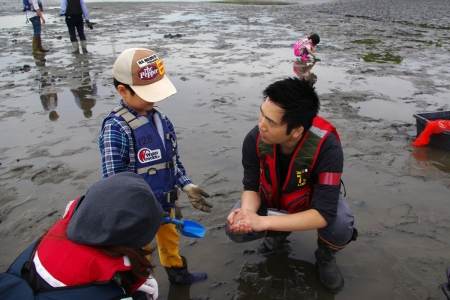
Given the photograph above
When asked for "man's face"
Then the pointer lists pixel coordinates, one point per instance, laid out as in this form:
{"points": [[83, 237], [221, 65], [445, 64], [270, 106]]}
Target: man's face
{"points": [[270, 127]]}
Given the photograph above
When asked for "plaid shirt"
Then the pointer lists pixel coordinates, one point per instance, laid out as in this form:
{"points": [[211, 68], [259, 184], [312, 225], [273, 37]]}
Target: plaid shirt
{"points": [[118, 152]]}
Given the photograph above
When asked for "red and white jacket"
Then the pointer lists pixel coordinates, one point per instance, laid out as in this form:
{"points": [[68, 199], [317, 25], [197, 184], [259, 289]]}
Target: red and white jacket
{"points": [[61, 262]]}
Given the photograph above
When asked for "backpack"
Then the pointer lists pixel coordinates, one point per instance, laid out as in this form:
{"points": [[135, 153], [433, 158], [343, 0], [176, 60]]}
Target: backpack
{"points": [[27, 5], [14, 284], [300, 45]]}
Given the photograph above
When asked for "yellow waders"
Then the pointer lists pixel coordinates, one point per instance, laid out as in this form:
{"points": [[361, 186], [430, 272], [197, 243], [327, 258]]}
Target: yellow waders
{"points": [[167, 240]]}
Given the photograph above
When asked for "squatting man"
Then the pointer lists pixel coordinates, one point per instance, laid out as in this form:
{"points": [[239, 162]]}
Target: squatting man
{"points": [[293, 162]]}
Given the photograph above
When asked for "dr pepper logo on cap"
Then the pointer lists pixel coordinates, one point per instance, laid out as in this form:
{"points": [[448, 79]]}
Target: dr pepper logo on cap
{"points": [[150, 67]]}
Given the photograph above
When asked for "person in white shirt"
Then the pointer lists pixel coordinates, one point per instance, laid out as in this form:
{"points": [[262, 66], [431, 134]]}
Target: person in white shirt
{"points": [[34, 9]]}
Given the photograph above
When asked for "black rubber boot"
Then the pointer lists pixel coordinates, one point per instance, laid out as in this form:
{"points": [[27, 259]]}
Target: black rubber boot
{"points": [[181, 275], [446, 286], [274, 243], [329, 274]]}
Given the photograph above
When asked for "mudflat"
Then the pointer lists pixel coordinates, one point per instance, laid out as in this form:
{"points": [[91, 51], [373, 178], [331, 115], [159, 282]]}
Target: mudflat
{"points": [[381, 62]]}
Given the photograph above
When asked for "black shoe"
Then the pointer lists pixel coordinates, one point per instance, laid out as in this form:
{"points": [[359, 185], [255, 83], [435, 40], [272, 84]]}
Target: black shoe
{"points": [[181, 275]]}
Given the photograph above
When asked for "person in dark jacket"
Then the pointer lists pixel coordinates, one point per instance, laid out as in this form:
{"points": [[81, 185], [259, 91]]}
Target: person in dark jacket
{"points": [[75, 11], [293, 162]]}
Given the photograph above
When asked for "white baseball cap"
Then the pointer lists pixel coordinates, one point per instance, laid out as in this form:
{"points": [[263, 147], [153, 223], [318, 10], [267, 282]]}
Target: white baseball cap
{"points": [[143, 70]]}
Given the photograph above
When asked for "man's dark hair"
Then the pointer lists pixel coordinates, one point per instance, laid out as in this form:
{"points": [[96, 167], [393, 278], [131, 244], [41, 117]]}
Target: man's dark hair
{"points": [[314, 38], [128, 87], [299, 100]]}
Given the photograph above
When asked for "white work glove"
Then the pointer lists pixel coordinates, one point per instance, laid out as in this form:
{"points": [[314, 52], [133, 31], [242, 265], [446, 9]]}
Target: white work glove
{"points": [[150, 286], [196, 194]]}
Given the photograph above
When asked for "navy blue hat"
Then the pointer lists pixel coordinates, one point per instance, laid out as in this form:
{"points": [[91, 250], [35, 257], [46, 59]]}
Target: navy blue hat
{"points": [[117, 210]]}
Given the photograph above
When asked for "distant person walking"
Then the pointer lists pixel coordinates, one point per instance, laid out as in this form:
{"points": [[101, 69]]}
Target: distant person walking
{"points": [[75, 11], [34, 9]]}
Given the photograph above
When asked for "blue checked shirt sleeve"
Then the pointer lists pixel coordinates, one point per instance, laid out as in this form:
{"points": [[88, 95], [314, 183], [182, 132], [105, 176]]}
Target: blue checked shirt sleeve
{"points": [[114, 144], [181, 175]]}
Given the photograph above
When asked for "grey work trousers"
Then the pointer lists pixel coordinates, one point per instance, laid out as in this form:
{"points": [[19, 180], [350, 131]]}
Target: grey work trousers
{"points": [[338, 233]]}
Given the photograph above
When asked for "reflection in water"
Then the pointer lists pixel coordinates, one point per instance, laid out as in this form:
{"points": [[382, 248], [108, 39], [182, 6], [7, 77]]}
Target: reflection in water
{"points": [[303, 70], [85, 93], [39, 59], [280, 277], [49, 103], [251, 2], [83, 98], [179, 292], [431, 156]]}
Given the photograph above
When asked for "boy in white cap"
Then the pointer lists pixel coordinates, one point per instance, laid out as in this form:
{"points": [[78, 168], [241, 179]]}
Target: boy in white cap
{"points": [[137, 137]]}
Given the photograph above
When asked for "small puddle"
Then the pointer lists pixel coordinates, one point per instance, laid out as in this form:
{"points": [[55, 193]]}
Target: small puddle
{"points": [[246, 2], [21, 20], [390, 86], [400, 107], [13, 21], [386, 110], [241, 2], [181, 17]]}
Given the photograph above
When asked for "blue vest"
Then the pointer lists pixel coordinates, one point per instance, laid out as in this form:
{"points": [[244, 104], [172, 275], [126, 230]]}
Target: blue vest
{"points": [[27, 5], [155, 157]]}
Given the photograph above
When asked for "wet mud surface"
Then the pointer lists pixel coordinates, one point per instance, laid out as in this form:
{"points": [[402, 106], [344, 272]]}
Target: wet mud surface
{"points": [[381, 62]]}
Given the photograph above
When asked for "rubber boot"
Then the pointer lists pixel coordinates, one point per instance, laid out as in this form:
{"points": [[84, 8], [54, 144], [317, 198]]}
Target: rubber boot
{"points": [[274, 243], [446, 286], [35, 45], [76, 50], [305, 57], [181, 275], [329, 274], [84, 46], [40, 45]]}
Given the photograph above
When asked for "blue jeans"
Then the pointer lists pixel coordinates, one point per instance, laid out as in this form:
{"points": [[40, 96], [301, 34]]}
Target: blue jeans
{"points": [[36, 22], [338, 233], [75, 22]]}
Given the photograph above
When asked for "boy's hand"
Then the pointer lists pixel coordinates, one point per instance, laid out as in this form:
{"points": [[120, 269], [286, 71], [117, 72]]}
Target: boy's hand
{"points": [[196, 194]]}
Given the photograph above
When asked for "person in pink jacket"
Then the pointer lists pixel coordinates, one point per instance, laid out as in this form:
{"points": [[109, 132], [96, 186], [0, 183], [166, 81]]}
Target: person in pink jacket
{"points": [[304, 46]]}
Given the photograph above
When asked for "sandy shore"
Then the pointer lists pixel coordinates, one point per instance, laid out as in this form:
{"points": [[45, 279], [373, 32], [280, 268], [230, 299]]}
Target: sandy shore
{"points": [[381, 62]]}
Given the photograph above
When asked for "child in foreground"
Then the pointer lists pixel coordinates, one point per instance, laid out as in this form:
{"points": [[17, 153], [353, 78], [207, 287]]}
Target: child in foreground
{"points": [[99, 250]]}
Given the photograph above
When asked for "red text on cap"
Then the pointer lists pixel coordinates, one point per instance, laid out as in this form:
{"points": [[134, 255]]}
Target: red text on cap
{"points": [[149, 72]]}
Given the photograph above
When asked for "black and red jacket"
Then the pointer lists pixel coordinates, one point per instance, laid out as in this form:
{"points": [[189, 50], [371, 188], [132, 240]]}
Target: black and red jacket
{"points": [[295, 193]]}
